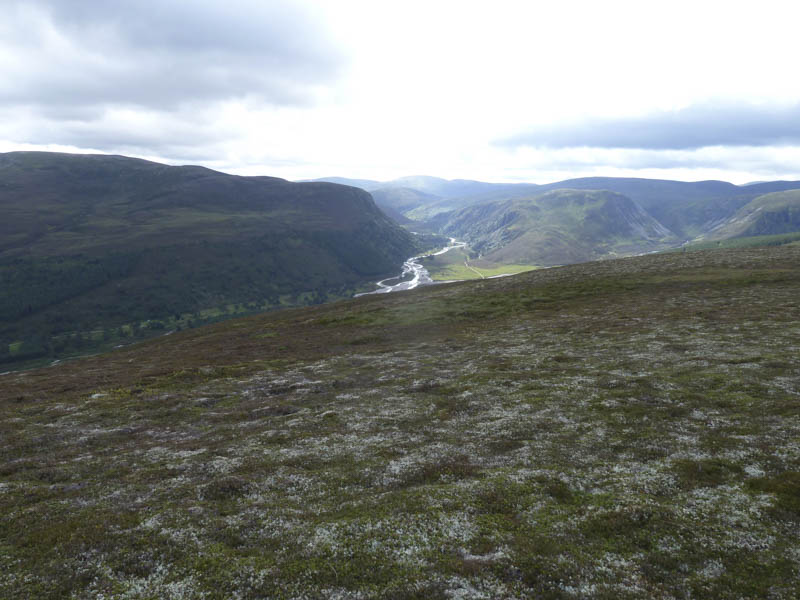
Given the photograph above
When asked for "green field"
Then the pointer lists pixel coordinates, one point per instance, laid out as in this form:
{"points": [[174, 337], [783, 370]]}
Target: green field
{"points": [[456, 265]]}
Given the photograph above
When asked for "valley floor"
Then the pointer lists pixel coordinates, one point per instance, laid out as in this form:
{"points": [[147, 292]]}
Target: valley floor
{"points": [[457, 265], [624, 429]]}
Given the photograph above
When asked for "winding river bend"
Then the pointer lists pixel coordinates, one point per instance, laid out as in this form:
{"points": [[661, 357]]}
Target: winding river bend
{"points": [[413, 275]]}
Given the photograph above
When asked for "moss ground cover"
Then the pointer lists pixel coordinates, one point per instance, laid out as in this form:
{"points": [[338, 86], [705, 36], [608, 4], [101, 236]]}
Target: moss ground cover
{"points": [[623, 429]]}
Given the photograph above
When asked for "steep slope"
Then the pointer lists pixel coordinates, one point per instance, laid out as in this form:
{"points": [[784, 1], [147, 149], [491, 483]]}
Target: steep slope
{"points": [[401, 200], [558, 227], [620, 429], [394, 215], [92, 243], [684, 208], [770, 214]]}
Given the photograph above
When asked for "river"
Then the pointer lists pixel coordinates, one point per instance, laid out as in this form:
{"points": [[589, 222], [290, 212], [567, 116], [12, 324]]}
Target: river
{"points": [[414, 270]]}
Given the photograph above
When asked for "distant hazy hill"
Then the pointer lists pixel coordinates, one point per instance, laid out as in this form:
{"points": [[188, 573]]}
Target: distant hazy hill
{"points": [[558, 227], [401, 200], [770, 214], [89, 243], [364, 184], [444, 188], [420, 197], [449, 195]]}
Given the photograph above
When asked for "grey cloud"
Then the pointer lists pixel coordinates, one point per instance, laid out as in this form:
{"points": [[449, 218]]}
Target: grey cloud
{"points": [[175, 136], [161, 55], [755, 159], [752, 159], [697, 126], [163, 135], [170, 143]]}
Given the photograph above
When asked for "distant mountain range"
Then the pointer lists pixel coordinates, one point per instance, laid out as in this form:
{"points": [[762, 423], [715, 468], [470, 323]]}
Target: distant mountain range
{"points": [[97, 247], [528, 223]]}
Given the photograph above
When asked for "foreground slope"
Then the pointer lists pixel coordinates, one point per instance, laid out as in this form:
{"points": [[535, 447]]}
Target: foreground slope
{"points": [[89, 244], [629, 428]]}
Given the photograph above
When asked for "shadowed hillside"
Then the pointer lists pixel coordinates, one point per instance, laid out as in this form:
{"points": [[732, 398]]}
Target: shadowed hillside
{"points": [[400, 200], [95, 249]]}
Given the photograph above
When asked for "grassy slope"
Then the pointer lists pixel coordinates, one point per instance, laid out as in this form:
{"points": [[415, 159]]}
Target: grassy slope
{"points": [[558, 227], [623, 429], [682, 207], [92, 243], [770, 214], [457, 265], [686, 208]]}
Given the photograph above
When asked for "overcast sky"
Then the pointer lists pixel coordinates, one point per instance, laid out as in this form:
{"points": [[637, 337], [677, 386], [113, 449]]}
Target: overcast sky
{"points": [[491, 90]]}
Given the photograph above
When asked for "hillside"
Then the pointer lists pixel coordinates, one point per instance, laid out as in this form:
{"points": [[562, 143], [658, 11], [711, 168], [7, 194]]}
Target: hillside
{"points": [[95, 249], [458, 194], [397, 201], [688, 209], [770, 214], [619, 429], [685, 208], [558, 227]]}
